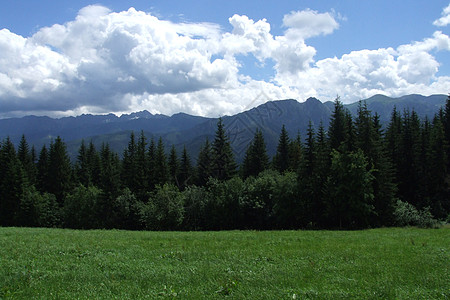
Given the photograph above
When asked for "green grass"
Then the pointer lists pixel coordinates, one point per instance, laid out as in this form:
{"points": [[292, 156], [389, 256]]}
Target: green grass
{"points": [[99, 264]]}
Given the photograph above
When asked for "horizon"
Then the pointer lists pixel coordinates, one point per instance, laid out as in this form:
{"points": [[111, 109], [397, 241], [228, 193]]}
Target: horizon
{"points": [[68, 59]]}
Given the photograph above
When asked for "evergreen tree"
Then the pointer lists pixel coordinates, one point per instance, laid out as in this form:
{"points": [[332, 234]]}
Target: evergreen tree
{"points": [[281, 160], [151, 164], [295, 153], [204, 164], [349, 189], [256, 159], [173, 166], [59, 171], [337, 132], [129, 165], [25, 156], [160, 170], [12, 184], [186, 171], [223, 164], [82, 169], [42, 170]]}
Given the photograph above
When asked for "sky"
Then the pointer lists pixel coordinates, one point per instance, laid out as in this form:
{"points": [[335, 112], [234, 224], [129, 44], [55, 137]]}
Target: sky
{"points": [[215, 58]]}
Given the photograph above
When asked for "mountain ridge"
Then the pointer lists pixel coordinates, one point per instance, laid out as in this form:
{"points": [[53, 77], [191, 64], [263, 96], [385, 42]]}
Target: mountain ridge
{"points": [[183, 129]]}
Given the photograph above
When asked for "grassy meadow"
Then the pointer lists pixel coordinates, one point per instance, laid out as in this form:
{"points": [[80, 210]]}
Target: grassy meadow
{"points": [[389, 263]]}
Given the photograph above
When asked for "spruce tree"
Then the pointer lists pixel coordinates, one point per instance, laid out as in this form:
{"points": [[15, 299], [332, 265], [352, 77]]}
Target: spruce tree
{"points": [[281, 160], [160, 169], [337, 132], [186, 171], [256, 159], [59, 171], [12, 184], [295, 153], [42, 170], [173, 166], [223, 163], [204, 164], [25, 156]]}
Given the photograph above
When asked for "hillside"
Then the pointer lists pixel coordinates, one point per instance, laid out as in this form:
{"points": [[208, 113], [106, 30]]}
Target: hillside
{"points": [[183, 129]]}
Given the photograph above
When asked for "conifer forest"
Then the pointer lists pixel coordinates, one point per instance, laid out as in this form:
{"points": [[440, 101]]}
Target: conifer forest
{"points": [[354, 174]]}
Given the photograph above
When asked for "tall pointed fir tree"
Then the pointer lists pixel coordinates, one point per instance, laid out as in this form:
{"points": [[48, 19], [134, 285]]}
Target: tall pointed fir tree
{"points": [[223, 163], [129, 165], [151, 163], [368, 136], [204, 164], [161, 171], [42, 167], [256, 159], [281, 160], [82, 169], [295, 153], [185, 177], [12, 184], [337, 131], [59, 171], [173, 166], [25, 156]]}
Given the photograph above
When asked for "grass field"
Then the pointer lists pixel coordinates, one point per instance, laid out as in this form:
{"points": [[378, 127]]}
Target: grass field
{"points": [[99, 264]]}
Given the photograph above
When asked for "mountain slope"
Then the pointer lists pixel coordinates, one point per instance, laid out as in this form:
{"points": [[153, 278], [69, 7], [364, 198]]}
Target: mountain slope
{"points": [[183, 129]]}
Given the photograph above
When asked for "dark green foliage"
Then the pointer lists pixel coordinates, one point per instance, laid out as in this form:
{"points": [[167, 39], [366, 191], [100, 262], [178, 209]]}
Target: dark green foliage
{"points": [[160, 169], [337, 131], [353, 176], [173, 166], [281, 160], [79, 209], [164, 210], [204, 164], [13, 181], [223, 164], [186, 174], [59, 177], [349, 202], [256, 159]]}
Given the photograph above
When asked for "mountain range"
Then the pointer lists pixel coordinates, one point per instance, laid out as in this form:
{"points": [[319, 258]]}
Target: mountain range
{"points": [[191, 131]]}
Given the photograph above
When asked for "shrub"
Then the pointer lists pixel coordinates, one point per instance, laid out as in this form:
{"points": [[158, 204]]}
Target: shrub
{"points": [[406, 214]]}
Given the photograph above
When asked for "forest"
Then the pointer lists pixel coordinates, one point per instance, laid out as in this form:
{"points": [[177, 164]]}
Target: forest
{"points": [[354, 174]]}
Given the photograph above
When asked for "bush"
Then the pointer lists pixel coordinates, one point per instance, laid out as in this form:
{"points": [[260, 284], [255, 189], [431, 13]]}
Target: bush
{"points": [[406, 214], [79, 209], [165, 209]]}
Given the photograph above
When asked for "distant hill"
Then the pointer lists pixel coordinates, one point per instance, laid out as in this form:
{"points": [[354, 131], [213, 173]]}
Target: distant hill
{"points": [[191, 131]]}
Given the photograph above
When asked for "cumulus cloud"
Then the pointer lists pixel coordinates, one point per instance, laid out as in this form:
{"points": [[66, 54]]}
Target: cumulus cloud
{"points": [[445, 19], [104, 61]]}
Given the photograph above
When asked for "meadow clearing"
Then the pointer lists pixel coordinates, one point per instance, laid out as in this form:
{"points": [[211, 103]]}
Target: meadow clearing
{"points": [[387, 263]]}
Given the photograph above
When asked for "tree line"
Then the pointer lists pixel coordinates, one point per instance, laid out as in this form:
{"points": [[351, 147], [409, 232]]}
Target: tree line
{"points": [[355, 174]]}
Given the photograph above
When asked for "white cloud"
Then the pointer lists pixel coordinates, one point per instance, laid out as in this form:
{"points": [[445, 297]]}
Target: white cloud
{"points": [[445, 19], [104, 61]]}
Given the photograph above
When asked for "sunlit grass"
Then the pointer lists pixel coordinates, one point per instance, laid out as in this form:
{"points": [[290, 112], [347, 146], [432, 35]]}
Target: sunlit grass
{"points": [[372, 264]]}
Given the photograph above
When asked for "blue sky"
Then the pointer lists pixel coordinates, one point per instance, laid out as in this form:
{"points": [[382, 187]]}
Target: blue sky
{"points": [[214, 58]]}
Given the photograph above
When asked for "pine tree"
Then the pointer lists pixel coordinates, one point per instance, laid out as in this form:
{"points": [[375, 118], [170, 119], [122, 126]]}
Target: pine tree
{"points": [[25, 156], [337, 132], [161, 171], [60, 170], [223, 163], [129, 165], [281, 160], [173, 166], [43, 170], [82, 169], [256, 159], [349, 190], [151, 164], [12, 184], [186, 171], [295, 153], [204, 164]]}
